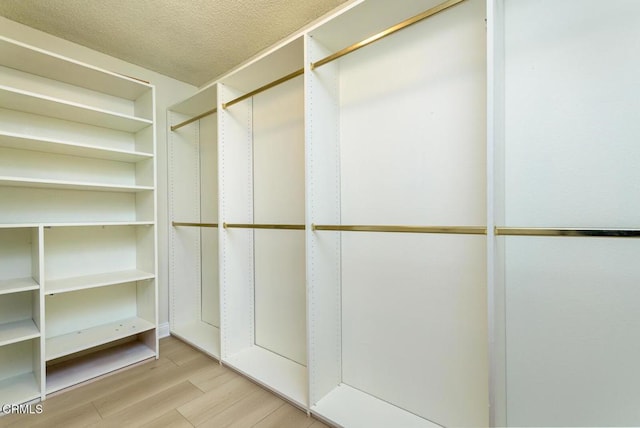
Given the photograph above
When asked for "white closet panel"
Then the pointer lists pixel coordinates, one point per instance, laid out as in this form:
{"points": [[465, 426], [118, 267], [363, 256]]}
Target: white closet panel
{"points": [[279, 183], [570, 160]]}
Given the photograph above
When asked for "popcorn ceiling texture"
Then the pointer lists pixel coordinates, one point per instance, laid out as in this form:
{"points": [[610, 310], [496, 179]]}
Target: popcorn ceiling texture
{"points": [[193, 41]]}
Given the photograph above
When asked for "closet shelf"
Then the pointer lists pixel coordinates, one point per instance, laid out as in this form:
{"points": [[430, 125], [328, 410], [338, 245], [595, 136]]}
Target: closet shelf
{"points": [[68, 185], [347, 406], [36, 61], [100, 224], [18, 331], [84, 282], [15, 99], [273, 371], [18, 285], [59, 346], [19, 389], [65, 374], [29, 142], [200, 335]]}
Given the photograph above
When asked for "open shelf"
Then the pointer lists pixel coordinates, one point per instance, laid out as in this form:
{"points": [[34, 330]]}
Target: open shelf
{"points": [[29, 102], [84, 282], [347, 406], [59, 346], [29, 142], [200, 335], [68, 373], [19, 389], [36, 61], [100, 224], [17, 331], [274, 372], [8, 286], [68, 185]]}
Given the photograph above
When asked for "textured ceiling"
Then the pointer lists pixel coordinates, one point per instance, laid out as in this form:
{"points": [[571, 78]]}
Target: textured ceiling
{"points": [[190, 40]]}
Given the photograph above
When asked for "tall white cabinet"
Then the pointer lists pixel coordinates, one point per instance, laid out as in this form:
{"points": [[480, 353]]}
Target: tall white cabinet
{"points": [[78, 222]]}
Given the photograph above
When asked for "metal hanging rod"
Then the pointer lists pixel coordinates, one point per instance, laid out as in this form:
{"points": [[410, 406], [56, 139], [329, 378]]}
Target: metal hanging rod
{"points": [[193, 119], [399, 26], [180, 224], [538, 231], [457, 230], [263, 226], [264, 88]]}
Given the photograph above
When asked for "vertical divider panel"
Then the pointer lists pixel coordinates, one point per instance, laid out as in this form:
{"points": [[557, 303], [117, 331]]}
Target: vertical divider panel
{"points": [[37, 265], [323, 207], [495, 212], [236, 205]]}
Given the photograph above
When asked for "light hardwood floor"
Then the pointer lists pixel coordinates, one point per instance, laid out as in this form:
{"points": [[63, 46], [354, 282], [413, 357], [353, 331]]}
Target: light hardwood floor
{"points": [[184, 388]]}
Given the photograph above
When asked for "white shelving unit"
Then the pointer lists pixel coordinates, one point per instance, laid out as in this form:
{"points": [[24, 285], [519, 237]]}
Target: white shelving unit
{"points": [[21, 313], [77, 163], [461, 136], [193, 198], [397, 137], [262, 182]]}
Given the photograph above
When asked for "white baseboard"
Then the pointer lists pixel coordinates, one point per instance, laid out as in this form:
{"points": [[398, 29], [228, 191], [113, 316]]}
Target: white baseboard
{"points": [[163, 330]]}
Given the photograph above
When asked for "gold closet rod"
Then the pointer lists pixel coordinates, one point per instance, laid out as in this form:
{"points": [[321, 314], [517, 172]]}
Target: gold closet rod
{"points": [[399, 26], [263, 226], [193, 119], [180, 223], [264, 88], [332, 57], [538, 231], [458, 230]]}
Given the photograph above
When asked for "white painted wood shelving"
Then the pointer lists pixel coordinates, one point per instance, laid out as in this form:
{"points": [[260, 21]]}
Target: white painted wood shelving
{"points": [[77, 226], [463, 184]]}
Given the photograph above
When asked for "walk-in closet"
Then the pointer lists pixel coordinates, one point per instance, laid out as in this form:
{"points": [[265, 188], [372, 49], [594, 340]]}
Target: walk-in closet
{"points": [[400, 214]]}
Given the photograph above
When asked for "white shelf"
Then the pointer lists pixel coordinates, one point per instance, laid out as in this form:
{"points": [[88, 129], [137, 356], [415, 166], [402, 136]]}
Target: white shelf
{"points": [[68, 185], [19, 389], [274, 372], [96, 364], [14, 99], [349, 407], [80, 340], [36, 61], [17, 285], [65, 285], [100, 224], [200, 335], [29, 142], [18, 331]]}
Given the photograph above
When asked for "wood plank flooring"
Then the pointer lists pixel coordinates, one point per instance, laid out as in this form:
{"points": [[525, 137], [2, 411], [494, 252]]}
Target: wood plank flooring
{"points": [[184, 388]]}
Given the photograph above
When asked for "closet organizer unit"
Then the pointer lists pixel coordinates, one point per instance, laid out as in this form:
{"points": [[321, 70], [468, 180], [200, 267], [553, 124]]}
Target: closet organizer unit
{"points": [[193, 204], [567, 187], [20, 313], [77, 284], [396, 164], [262, 185]]}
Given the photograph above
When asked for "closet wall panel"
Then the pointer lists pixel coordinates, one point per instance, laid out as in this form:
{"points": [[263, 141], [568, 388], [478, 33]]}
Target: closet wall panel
{"points": [[570, 161], [279, 194]]}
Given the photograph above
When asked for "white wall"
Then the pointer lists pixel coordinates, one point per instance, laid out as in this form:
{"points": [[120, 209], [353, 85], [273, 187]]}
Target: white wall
{"points": [[168, 91]]}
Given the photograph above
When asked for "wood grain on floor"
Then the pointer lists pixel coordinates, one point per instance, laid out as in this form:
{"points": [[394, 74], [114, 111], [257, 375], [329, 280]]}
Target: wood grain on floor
{"points": [[184, 388]]}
